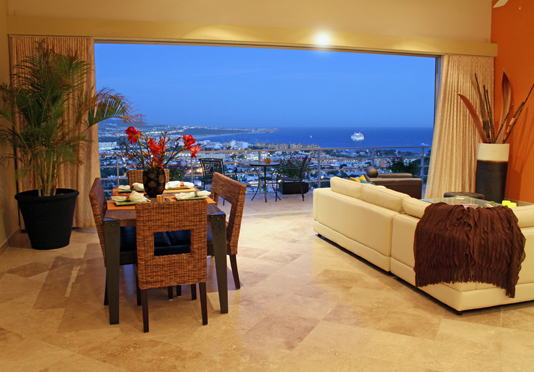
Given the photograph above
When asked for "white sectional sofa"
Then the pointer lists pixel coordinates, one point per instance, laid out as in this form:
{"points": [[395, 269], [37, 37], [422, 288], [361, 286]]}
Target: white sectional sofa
{"points": [[378, 225]]}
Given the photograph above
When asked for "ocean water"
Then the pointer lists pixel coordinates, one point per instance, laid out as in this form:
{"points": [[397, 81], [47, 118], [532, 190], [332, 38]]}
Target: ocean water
{"points": [[339, 137]]}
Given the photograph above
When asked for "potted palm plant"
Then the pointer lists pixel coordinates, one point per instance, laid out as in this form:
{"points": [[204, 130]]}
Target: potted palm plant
{"points": [[289, 170], [47, 86]]}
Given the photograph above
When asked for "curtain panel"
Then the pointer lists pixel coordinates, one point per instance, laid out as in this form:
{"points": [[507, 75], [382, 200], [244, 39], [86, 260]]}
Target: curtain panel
{"points": [[453, 158], [71, 176]]}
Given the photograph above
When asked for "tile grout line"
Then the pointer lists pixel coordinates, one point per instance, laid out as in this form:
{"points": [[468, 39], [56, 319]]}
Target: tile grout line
{"points": [[275, 213], [73, 277]]}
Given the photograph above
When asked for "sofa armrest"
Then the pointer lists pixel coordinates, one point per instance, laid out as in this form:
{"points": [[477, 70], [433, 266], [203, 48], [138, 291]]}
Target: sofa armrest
{"points": [[395, 175], [372, 172]]}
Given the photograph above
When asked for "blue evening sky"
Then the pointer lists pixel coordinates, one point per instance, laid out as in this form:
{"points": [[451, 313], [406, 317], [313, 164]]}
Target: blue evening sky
{"points": [[260, 87]]}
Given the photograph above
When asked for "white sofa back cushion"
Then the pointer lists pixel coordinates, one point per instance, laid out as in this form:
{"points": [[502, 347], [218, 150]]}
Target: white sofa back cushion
{"points": [[414, 207], [525, 215], [383, 197], [346, 187]]}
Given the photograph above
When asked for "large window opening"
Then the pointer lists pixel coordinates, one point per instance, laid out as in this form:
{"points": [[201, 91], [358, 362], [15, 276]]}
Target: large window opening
{"points": [[360, 109]]}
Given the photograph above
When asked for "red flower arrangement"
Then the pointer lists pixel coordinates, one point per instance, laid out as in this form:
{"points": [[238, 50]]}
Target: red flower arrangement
{"points": [[152, 155]]}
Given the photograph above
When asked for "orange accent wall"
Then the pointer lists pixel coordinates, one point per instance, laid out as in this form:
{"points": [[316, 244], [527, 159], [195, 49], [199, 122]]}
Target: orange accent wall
{"points": [[512, 28]]}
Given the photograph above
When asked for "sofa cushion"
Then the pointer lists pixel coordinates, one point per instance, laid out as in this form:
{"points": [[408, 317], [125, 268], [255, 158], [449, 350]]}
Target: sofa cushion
{"points": [[414, 207], [383, 197], [525, 215], [346, 187]]}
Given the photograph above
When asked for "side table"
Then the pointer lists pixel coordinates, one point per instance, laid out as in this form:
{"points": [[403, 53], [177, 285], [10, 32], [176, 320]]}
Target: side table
{"points": [[475, 195]]}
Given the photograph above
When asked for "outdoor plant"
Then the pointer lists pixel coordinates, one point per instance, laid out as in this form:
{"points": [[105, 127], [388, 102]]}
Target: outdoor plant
{"points": [[291, 167], [151, 155], [47, 86], [487, 129], [176, 172], [398, 165]]}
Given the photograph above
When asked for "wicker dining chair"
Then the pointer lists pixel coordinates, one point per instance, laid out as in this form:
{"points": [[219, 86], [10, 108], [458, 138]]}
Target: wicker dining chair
{"points": [[233, 192], [128, 250], [178, 265], [136, 176]]}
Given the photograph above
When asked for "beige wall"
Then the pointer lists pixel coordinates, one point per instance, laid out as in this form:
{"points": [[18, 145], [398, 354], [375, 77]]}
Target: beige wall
{"points": [[8, 207], [467, 20]]}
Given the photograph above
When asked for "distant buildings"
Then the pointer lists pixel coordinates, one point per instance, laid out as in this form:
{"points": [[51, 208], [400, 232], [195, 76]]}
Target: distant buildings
{"points": [[285, 146]]}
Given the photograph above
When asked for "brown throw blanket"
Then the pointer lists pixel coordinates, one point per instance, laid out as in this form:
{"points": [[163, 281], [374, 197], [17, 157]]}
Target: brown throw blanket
{"points": [[457, 244]]}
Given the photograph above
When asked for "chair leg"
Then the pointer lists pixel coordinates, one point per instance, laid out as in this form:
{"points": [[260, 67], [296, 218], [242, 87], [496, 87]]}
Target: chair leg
{"points": [[170, 292], [203, 303], [178, 290], [302, 190], [193, 292], [106, 295], [235, 273], [137, 290], [144, 304]]}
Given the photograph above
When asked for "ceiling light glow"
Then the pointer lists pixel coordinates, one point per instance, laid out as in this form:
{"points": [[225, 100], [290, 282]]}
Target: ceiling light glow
{"points": [[323, 39]]}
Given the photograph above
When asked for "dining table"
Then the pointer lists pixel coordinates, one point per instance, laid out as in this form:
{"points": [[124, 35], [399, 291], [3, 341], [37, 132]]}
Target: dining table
{"points": [[117, 216]]}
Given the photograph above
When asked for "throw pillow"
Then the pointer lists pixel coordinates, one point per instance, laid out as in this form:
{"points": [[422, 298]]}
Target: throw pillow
{"points": [[359, 179]]}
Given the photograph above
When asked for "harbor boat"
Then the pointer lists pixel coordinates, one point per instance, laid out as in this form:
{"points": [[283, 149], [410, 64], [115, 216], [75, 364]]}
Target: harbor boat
{"points": [[357, 136]]}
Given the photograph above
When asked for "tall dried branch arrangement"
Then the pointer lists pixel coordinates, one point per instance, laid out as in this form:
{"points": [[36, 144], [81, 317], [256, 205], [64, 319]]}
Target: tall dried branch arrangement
{"points": [[484, 122]]}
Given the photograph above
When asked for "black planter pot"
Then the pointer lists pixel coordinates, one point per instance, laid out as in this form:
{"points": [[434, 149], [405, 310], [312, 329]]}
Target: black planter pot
{"points": [[491, 172], [491, 179], [293, 187], [48, 219]]}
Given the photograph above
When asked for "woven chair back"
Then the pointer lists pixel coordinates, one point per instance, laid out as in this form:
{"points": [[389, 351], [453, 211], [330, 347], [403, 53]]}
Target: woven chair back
{"points": [[233, 192], [99, 205], [177, 269], [136, 176]]}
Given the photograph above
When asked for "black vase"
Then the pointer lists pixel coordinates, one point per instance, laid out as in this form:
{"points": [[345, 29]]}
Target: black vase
{"points": [[491, 172], [48, 219], [154, 182]]}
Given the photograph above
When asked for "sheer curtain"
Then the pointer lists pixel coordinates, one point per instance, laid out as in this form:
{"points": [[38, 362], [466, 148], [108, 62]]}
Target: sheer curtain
{"points": [[73, 177], [453, 162]]}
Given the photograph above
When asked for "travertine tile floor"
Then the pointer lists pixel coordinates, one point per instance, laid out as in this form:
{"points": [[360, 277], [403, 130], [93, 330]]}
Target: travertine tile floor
{"points": [[304, 305]]}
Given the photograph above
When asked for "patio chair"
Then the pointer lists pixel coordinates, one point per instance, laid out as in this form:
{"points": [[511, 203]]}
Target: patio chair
{"points": [[180, 264], [234, 192], [300, 178], [210, 166]]}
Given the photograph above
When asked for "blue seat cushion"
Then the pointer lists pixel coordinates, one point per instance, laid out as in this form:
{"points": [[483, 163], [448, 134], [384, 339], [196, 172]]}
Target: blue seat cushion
{"points": [[128, 239], [165, 243], [177, 242]]}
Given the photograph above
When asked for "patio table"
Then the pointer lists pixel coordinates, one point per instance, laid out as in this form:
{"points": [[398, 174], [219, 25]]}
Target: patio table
{"points": [[259, 167]]}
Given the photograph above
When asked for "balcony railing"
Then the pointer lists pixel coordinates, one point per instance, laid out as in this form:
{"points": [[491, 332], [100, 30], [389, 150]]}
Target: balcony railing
{"points": [[325, 163]]}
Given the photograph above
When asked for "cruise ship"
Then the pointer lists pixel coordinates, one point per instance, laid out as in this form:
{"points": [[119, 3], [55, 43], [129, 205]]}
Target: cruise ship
{"points": [[357, 136]]}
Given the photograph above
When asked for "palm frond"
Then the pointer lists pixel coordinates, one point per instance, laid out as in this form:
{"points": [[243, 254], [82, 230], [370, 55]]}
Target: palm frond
{"points": [[46, 86]]}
